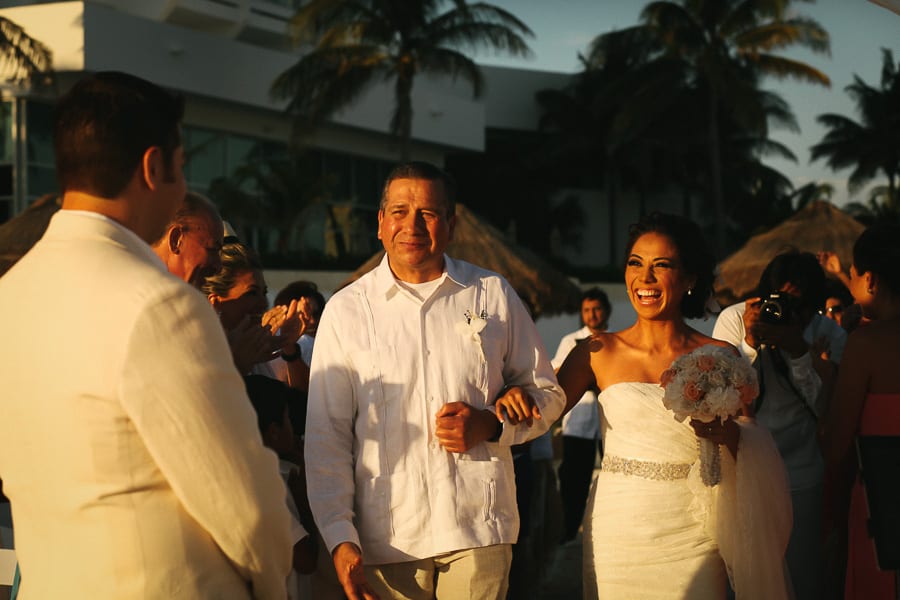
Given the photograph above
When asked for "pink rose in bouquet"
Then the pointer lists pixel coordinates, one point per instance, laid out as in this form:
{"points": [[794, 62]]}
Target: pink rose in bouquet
{"points": [[707, 384]]}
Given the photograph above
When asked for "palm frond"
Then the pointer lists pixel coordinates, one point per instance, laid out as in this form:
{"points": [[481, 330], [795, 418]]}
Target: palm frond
{"points": [[326, 81], [480, 26], [20, 54], [452, 63], [781, 68]]}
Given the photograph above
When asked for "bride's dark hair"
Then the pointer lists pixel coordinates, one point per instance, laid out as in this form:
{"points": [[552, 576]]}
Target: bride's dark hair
{"points": [[693, 252]]}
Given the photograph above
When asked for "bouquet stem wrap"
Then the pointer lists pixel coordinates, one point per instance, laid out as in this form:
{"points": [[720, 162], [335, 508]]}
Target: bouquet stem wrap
{"points": [[710, 463]]}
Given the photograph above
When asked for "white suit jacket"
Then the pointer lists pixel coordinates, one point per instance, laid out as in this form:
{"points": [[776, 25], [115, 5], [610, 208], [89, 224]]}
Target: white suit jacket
{"points": [[128, 447]]}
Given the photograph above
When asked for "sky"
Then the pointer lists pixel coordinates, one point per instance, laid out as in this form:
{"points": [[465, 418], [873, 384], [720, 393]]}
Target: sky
{"points": [[858, 30]]}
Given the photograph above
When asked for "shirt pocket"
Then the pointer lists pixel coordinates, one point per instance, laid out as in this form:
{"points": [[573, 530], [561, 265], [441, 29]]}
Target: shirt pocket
{"points": [[485, 491], [390, 507]]}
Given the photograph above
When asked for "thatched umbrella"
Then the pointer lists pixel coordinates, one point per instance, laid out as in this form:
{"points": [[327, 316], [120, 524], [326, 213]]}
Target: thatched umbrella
{"points": [[820, 226], [548, 290], [20, 233]]}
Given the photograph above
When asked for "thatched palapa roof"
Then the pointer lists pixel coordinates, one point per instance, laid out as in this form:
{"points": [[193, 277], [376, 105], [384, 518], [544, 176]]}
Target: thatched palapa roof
{"points": [[20, 233], [820, 226], [548, 290]]}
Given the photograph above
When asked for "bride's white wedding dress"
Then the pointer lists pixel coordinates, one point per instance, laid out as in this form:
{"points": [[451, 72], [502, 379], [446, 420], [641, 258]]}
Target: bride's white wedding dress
{"points": [[654, 530]]}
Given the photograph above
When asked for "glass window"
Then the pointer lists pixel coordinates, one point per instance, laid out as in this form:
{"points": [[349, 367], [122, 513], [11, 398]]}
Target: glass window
{"points": [[7, 144], [241, 151], [41, 180], [368, 186], [338, 172], [39, 129], [205, 152]]}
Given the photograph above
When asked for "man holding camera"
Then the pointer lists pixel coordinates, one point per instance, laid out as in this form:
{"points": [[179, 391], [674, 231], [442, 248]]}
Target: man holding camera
{"points": [[795, 351]]}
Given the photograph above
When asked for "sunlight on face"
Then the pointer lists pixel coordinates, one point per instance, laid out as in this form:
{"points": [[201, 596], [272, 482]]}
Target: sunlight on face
{"points": [[415, 229], [655, 278]]}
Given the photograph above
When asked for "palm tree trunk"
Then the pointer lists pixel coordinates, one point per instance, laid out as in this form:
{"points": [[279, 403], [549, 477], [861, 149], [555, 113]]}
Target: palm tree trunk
{"points": [[402, 121], [715, 171], [612, 198], [336, 229]]}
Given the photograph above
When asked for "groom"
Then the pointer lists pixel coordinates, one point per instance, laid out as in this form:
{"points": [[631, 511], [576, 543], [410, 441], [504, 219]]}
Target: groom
{"points": [[128, 447]]}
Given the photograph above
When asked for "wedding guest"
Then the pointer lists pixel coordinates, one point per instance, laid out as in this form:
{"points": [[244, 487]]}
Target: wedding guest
{"points": [[271, 399], [795, 382], [867, 394], [581, 425], [128, 449], [298, 290], [192, 241], [652, 529], [263, 341], [426, 370]]}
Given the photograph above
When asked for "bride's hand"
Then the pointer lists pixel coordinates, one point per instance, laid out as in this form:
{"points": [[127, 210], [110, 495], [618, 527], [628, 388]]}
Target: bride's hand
{"points": [[726, 433]]}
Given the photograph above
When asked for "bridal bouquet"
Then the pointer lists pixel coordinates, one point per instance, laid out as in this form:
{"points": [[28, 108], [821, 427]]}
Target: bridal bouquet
{"points": [[707, 384]]}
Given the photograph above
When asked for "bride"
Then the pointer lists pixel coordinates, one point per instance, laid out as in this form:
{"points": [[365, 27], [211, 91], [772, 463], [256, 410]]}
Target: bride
{"points": [[652, 528]]}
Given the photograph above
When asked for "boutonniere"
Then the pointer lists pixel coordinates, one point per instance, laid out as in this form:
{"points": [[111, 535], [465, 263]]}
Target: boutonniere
{"points": [[472, 327]]}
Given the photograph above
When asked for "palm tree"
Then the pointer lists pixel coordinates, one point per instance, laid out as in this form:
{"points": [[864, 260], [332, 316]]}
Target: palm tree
{"points": [[358, 42], [20, 55], [724, 48], [873, 144], [276, 193], [883, 206]]}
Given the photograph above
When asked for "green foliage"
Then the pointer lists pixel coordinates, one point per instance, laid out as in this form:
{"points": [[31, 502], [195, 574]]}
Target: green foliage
{"points": [[356, 43], [21, 56], [676, 102], [721, 50], [871, 145]]}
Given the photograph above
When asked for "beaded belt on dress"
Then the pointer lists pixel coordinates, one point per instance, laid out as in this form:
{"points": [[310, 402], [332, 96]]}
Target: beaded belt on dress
{"points": [[645, 468]]}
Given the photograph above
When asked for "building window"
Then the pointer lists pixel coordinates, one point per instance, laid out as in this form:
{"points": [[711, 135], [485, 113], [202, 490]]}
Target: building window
{"points": [[40, 168], [7, 156], [205, 156]]}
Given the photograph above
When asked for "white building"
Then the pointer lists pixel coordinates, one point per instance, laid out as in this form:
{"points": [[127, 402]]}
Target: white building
{"points": [[223, 55]]}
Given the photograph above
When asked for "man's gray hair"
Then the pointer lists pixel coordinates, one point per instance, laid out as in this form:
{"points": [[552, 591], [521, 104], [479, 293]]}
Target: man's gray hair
{"points": [[426, 171]]}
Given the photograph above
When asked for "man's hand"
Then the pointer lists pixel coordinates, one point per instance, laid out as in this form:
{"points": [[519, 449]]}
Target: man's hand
{"points": [[515, 406], [250, 343], [289, 322], [348, 565], [460, 427], [751, 318], [786, 336]]}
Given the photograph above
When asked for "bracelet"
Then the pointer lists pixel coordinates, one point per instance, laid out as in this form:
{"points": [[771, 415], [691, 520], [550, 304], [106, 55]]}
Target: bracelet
{"points": [[291, 357]]}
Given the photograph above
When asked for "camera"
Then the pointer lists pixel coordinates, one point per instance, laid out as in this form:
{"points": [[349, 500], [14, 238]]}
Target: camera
{"points": [[777, 308]]}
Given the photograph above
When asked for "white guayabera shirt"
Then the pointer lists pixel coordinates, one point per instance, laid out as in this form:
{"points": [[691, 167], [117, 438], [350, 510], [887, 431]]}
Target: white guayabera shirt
{"points": [[386, 360]]}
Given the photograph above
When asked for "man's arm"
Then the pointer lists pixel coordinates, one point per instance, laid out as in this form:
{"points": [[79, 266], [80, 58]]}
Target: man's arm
{"points": [[186, 400], [330, 421]]}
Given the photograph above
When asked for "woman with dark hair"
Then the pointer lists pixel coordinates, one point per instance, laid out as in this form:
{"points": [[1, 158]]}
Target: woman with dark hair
{"points": [[262, 340], [651, 526], [867, 393]]}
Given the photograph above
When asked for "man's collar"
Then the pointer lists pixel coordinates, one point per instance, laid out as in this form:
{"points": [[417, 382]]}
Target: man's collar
{"points": [[385, 283]]}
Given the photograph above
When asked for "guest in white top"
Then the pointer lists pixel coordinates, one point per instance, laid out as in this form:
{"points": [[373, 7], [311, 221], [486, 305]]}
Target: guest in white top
{"points": [[581, 425], [786, 347], [127, 444], [408, 464]]}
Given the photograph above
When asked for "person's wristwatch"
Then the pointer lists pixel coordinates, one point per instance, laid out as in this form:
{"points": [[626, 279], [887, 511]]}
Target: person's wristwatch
{"points": [[291, 357]]}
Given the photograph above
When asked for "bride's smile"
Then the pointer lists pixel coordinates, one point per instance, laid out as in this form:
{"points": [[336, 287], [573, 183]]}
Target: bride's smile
{"points": [[655, 276]]}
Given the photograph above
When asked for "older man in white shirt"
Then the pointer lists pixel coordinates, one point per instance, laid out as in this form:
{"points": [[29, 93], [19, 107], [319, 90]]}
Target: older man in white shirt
{"points": [[408, 464], [128, 447]]}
